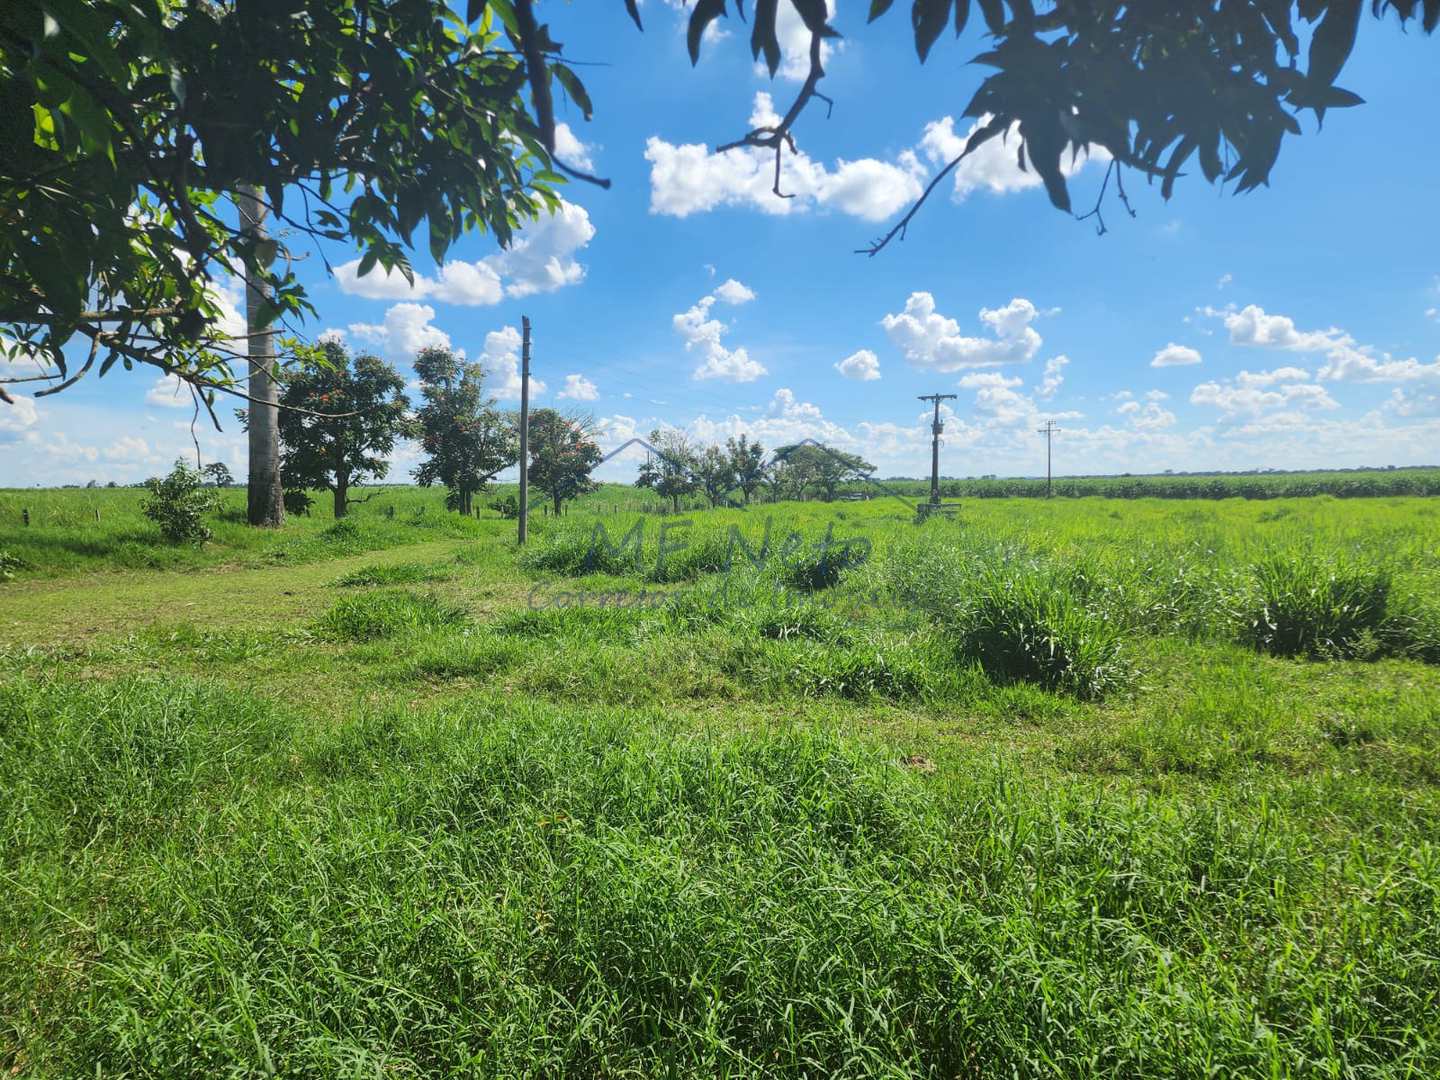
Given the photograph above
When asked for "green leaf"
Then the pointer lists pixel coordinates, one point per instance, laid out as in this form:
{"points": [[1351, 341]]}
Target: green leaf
{"points": [[928, 18], [879, 7], [763, 37], [575, 88]]}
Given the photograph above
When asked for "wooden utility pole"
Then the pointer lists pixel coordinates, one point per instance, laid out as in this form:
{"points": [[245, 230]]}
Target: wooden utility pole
{"points": [[524, 429], [1048, 431], [935, 429]]}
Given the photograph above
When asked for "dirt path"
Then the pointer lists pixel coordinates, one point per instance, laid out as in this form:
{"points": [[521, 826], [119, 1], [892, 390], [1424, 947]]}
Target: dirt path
{"points": [[68, 609]]}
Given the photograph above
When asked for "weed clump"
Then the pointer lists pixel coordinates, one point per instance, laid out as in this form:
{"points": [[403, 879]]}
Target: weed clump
{"points": [[387, 614], [1301, 605], [406, 573]]}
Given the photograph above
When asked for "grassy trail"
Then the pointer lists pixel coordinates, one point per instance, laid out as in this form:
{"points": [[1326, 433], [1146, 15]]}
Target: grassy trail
{"points": [[78, 608]]}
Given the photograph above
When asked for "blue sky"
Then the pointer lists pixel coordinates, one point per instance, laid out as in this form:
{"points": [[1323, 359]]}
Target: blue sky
{"points": [[1297, 326]]}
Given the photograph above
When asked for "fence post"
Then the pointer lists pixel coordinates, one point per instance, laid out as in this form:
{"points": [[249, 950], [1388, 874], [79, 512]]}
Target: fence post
{"points": [[25, 516]]}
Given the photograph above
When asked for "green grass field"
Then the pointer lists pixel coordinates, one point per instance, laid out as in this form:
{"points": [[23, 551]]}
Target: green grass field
{"points": [[1075, 787]]}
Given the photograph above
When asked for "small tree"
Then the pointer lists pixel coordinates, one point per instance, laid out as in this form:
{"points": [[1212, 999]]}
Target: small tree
{"points": [[715, 473], [669, 473], [178, 503], [466, 438], [747, 462], [218, 473], [562, 453], [365, 405]]}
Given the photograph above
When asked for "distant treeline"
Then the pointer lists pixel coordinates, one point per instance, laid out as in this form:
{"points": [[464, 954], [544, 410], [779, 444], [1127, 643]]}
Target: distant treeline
{"points": [[1341, 485]]}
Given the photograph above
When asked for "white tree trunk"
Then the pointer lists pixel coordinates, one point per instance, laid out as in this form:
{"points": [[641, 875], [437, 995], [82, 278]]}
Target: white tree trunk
{"points": [[266, 496]]}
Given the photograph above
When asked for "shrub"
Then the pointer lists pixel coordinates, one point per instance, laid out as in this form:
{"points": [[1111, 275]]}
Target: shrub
{"points": [[1302, 605], [178, 504], [387, 614]]}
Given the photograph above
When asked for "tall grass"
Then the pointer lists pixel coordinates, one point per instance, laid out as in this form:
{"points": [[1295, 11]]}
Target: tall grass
{"points": [[503, 889]]}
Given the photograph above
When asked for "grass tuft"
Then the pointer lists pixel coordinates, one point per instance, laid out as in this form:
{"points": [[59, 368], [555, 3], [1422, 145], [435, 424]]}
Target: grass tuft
{"points": [[387, 614]]}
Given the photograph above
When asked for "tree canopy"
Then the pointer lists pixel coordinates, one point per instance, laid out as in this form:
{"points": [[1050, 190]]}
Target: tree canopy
{"points": [[130, 126], [465, 438], [340, 421], [563, 452]]}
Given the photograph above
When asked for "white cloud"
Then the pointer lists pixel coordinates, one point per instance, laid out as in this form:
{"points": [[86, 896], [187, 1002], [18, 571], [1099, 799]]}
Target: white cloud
{"points": [[689, 178], [542, 259], [995, 165], [1053, 378], [931, 340], [1173, 355], [1148, 417], [733, 292], [1225, 279], [129, 448], [579, 388], [1346, 359], [1249, 395], [170, 392], [702, 335], [17, 418], [862, 365], [406, 330], [501, 360], [571, 150], [1270, 378], [794, 39]]}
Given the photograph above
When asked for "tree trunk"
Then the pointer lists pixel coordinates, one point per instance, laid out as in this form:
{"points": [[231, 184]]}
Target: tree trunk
{"points": [[266, 496], [342, 495]]}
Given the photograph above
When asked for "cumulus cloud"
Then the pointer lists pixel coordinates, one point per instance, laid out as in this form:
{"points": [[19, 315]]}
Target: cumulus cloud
{"points": [[1147, 417], [734, 292], [1173, 355], [170, 392], [1251, 395], [689, 178], [1054, 376], [579, 388], [995, 166], [571, 150], [931, 340], [702, 335], [405, 330], [1346, 359], [17, 418], [862, 365], [542, 259], [501, 360]]}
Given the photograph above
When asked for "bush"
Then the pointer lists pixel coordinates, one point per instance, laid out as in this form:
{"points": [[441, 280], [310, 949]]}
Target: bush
{"points": [[1302, 605], [820, 565], [387, 614], [178, 504]]}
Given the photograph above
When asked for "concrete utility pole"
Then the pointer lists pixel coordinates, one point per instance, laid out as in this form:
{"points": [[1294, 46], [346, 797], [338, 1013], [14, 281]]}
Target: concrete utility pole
{"points": [[524, 429], [265, 496], [1048, 430], [935, 429]]}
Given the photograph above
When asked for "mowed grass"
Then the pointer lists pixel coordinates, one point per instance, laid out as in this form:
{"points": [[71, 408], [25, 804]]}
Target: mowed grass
{"points": [[1057, 789]]}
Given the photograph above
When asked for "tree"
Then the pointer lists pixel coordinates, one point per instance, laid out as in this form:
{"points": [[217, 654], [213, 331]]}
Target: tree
{"points": [[563, 452], [340, 420], [133, 128], [466, 438], [715, 473], [669, 472], [804, 467], [747, 461], [218, 473]]}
